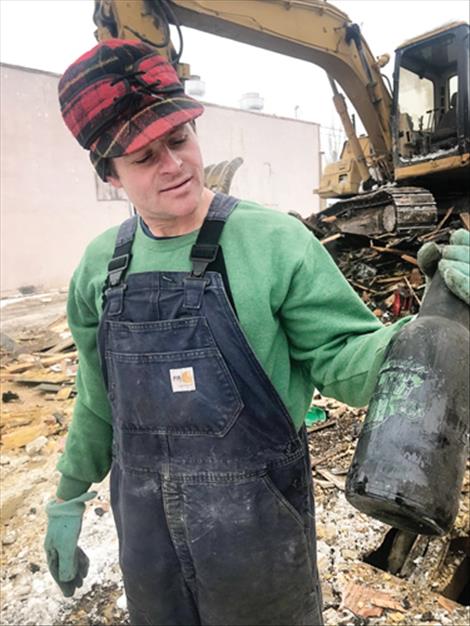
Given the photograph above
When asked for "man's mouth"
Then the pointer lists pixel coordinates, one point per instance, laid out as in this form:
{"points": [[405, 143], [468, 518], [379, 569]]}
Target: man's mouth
{"points": [[177, 186]]}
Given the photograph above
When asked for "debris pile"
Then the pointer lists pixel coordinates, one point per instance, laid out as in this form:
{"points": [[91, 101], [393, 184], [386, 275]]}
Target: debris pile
{"points": [[383, 269], [42, 366]]}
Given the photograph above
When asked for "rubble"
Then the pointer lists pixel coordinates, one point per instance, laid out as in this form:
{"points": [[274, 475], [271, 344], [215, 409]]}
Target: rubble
{"points": [[9, 538], [355, 553], [35, 446], [383, 269]]}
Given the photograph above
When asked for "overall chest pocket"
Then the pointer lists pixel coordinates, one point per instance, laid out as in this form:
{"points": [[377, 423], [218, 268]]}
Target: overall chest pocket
{"points": [[169, 377]]}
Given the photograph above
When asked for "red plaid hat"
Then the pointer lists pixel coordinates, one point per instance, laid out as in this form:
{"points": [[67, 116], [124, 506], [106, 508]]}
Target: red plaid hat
{"points": [[120, 96]]}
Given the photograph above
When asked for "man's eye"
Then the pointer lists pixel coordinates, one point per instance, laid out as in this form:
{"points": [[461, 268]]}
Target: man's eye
{"points": [[143, 159], [175, 141]]}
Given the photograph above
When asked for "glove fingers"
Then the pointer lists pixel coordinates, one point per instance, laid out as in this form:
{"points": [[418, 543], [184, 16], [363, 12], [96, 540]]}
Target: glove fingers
{"points": [[83, 563], [68, 564], [460, 267], [53, 563], [456, 281], [429, 256], [78, 581], [68, 588], [461, 237], [73, 567], [457, 253]]}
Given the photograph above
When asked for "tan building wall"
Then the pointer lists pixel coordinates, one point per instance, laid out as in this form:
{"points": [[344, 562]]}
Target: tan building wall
{"points": [[52, 204], [48, 195], [281, 156]]}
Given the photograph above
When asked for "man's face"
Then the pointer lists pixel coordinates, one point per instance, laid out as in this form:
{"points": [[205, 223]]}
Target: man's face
{"points": [[164, 180]]}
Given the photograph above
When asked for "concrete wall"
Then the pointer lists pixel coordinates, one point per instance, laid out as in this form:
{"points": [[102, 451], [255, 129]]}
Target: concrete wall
{"points": [[52, 203], [48, 194], [281, 156]]}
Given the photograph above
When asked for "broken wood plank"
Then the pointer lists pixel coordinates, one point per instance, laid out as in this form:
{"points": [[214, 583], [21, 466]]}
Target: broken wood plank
{"points": [[52, 360], [324, 484], [19, 437], [61, 346], [49, 387], [64, 393], [417, 550], [465, 219], [391, 279], [356, 599], [337, 481], [327, 424], [448, 604], [336, 453], [430, 235], [406, 257], [38, 376], [363, 287], [331, 238], [59, 325], [368, 602], [19, 368], [413, 293], [401, 546]]}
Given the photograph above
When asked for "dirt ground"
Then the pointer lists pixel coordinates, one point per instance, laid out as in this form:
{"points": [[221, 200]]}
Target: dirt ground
{"points": [[351, 546]]}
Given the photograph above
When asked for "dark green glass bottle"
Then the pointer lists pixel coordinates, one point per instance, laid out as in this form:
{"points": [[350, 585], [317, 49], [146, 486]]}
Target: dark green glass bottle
{"points": [[410, 458]]}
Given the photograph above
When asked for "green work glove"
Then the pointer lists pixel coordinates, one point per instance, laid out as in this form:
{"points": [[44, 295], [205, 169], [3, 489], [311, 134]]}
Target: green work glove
{"points": [[452, 260], [67, 563]]}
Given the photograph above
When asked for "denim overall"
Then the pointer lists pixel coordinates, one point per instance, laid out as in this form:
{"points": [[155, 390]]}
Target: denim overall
{"points": [[210, 483]]}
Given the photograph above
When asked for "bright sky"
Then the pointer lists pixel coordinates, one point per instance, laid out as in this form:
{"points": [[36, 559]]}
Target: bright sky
{"points": [[50, 34]]}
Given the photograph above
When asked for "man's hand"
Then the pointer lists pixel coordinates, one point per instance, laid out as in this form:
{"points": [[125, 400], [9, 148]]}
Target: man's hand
{"points": [[67, 562], [453, 262]]}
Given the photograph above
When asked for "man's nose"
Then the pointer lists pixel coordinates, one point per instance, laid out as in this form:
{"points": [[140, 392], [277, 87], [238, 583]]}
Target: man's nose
{"points": [[170, 161]]}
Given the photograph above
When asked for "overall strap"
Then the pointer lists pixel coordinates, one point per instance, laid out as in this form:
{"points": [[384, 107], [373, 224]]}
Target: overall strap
{"points": [[206, 249], [206, 253], [122, 255]]}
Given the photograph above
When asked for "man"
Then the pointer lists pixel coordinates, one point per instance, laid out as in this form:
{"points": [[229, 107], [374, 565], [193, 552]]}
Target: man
{"points": [[203, 327]]}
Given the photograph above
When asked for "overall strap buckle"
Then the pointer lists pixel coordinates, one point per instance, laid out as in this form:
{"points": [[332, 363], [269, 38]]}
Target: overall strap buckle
{"points": [[120, 261], [116, 268], [202, 255], [206, 249]]}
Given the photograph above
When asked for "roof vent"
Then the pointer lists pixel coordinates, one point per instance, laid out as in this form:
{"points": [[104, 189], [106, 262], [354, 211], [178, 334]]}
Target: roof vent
{"points": [[195, 86], [252, 101]]}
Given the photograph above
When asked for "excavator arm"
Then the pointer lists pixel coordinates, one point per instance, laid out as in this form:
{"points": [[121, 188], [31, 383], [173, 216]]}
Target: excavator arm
{"points": [[312, 30]]}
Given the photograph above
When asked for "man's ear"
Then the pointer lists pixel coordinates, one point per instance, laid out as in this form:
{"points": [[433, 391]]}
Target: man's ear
{"points": [[114, 181], [112, 176]]}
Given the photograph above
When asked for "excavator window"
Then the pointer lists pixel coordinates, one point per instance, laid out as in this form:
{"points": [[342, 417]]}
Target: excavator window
{"points": [[416, 96], [428, 96], [446, 128]]}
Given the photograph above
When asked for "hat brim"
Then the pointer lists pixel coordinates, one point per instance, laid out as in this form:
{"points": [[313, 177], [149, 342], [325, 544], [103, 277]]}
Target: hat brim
{"points": [[146, 125]]}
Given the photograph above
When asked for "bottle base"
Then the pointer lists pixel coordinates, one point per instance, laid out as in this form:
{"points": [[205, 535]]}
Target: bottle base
{"points": [[400, 513]]}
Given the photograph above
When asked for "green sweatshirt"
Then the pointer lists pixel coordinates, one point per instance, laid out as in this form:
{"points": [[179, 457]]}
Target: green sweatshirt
{"points": [[302, 319]]}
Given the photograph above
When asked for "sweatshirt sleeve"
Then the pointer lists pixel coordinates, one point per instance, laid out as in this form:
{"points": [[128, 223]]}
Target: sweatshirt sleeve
{"points": [[87, 455], [331, 332]]}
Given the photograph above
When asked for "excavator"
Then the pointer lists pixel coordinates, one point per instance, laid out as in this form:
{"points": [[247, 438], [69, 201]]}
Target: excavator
{"points": [[414, 162]]}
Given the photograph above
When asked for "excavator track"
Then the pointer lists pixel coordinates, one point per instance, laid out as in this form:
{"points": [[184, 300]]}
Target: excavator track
{"points": [[385, 211]]}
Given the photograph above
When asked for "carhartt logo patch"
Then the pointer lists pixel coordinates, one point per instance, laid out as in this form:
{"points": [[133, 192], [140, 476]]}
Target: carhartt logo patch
{"points": [[183, 379]]}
